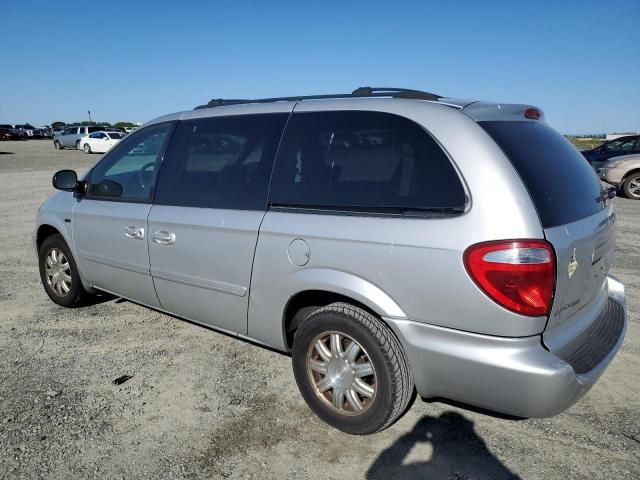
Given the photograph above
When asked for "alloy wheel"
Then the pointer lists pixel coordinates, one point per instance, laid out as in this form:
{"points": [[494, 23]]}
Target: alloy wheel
{"points": [[634, 187], [58, 272], [341, 373]]}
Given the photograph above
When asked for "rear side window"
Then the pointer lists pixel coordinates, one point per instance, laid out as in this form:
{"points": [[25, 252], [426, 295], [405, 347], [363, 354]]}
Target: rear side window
{"points": [[363, 161], [562, 184], [221, 162]]}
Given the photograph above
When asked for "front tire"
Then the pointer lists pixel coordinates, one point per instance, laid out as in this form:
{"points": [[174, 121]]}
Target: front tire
{"points": [[78, 145], [57, 145], [87, 148], [59, 273], [351, 369], [631, 186]]}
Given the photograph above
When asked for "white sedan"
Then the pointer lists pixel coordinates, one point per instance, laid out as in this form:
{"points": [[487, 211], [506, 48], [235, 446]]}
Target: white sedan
{"points": [[100, 142]]}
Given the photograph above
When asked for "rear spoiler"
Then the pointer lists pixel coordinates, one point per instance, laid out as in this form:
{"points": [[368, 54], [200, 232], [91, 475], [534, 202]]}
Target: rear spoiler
{"points": [[486, 111]]}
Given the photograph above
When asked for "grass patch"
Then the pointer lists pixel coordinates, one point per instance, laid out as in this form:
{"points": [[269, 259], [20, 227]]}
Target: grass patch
{"points": [[585, 143]]}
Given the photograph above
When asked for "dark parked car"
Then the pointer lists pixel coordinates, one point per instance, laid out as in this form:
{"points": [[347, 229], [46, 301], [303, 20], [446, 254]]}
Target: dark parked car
{"points": [[628, 145], [7, 132]]}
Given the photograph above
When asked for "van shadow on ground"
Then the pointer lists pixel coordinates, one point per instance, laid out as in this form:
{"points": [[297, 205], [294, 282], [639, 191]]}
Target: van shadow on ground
{"points": [[458, 453]]}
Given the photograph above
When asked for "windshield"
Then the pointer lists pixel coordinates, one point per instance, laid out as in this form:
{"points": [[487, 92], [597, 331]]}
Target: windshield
{"points": [[563, 186]]}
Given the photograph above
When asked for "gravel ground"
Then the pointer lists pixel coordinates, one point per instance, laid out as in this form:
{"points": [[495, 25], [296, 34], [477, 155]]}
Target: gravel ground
{"points": [[205, 405]]}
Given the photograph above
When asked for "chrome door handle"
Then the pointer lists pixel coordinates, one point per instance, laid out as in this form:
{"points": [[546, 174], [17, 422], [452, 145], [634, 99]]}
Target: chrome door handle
{"points": [[164, 238], [131, 231]]}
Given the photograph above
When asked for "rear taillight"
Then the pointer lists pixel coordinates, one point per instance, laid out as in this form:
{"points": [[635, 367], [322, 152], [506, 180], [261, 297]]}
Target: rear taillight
{"points": [[532, 114], [517, 274]]}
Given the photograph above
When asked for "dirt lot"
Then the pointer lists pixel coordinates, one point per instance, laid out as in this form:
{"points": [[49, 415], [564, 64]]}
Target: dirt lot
{"points": [[202, 404]]}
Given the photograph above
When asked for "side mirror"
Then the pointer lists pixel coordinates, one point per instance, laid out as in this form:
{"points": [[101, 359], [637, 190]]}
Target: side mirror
{"points": [[66, 180]]}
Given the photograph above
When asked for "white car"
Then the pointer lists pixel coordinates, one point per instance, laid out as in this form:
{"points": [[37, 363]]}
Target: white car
{"points": [[100, 142]]}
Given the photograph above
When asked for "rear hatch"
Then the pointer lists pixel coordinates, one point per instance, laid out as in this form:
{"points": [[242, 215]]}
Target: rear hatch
{"points": [[576, 221]]}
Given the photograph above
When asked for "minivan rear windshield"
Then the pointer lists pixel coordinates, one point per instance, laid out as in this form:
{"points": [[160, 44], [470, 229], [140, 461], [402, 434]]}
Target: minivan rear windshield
{"points": [[563, 186]]}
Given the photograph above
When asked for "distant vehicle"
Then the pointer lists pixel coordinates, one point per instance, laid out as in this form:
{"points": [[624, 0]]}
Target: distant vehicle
{"points": [[46, 131], [628, 145], [129, 129], [7, 132], [100, 142], [70, 136], [623, 172], [29, 130]]}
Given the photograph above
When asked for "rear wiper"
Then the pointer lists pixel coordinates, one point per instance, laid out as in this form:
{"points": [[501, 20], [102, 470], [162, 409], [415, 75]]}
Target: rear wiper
{"points": [[606, 194]]}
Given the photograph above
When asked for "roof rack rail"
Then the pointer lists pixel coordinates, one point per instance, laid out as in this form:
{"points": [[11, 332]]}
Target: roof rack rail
{"points": [[358, 92]]}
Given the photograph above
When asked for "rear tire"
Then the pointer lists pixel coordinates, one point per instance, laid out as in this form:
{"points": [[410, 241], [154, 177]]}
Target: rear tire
{"points": [[87, 148], [351, 369], [631, 186], [59, 273]]}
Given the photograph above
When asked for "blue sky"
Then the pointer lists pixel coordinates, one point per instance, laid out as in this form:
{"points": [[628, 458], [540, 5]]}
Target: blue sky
{"points": [[579, 61]]}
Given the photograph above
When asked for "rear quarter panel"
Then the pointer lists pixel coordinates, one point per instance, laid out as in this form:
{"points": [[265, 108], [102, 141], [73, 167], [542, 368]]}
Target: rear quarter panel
{"points": [[414, 264]]}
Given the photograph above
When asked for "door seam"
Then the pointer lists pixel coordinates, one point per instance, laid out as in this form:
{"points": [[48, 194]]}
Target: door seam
{"points": [[255, 248]]}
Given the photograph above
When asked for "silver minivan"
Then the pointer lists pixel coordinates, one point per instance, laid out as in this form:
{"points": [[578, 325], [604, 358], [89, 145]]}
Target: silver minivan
{"points": [[391, 240]]}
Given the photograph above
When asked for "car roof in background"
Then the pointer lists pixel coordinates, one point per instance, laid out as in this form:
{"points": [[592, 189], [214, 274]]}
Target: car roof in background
{"points": [[625, 137]]}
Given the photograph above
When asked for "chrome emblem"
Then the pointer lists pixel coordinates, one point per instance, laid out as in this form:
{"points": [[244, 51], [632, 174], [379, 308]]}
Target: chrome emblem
{"points": [[573, 264]]}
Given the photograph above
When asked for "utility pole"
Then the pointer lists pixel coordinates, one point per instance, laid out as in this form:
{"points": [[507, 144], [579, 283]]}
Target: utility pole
{"points": [[89, 112]]}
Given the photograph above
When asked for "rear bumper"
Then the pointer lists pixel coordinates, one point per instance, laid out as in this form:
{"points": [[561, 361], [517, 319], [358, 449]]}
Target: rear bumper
{"points": [[515, 376]]}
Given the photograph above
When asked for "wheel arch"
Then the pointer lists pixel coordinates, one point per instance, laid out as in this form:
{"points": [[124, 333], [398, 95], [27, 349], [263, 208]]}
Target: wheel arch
{"points": [[302, 304], [324, 287], [52, 225], [630, 172], [44, 231]]}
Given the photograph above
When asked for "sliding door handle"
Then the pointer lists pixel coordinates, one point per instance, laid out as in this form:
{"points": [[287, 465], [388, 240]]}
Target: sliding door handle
{"points": [[162, 237]]}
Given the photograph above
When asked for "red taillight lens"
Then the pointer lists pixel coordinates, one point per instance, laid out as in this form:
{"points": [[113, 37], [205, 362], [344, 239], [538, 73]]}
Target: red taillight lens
{"points": [[532, 114], [517, 274]]}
